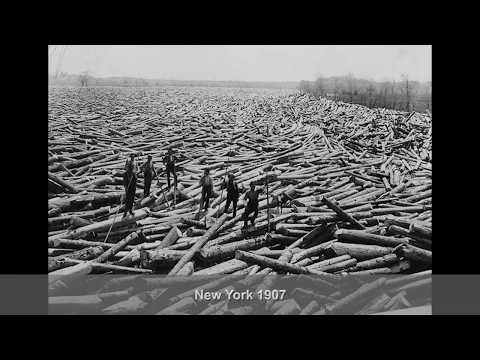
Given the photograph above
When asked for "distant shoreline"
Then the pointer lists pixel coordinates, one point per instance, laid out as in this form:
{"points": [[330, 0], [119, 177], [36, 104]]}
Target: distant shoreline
{"points": [[75, 80]]}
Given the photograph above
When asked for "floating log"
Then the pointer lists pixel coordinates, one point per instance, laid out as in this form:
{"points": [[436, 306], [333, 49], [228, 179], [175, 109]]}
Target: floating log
{"points": [[416, 254], [171, 237], [218, 252], [360, 251], [346, 264], [117, 221], [117, 247], [271, 263], [65, 184], [84, 254], [363, 237], [375, 263], [344, 215], [151, 259], [198, 245], [226, 267]]}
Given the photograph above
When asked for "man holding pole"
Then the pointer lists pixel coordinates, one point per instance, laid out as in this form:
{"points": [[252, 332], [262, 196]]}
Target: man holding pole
{"points": [[169, 161], [130, 184], [232, 194], [252, 205], [148, 173], [207, 189]]}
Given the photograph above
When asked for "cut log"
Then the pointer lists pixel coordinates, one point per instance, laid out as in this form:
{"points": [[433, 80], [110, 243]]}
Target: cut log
{"points": [[359, 251], [271, 263], [363, 237], [198, 245]]}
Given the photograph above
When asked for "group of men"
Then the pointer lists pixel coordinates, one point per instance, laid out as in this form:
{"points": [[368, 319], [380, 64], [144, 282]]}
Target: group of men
{"points": [[233, 194], [206, 182], [149, 173]]}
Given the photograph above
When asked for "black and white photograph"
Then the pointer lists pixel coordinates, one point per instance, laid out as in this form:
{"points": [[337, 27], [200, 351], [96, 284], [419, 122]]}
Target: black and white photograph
{"points": [[240, 179]]}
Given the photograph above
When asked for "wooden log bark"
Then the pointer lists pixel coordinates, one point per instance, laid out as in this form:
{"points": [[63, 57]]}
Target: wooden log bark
{"points": [[218, 252], [379, 262], [330, 261], [271, 263], [117, 221], [153, 259], [103, 268], [171, 237], [363, 237], [198, 245], [344, 215], [64, 183], [315, 250], [117, 247], [226, 267], [416, 254], [84, 254], [360, 251]]}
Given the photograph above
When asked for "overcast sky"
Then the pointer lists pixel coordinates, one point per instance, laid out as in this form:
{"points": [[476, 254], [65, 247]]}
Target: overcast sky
{"points": [[248, 62]]}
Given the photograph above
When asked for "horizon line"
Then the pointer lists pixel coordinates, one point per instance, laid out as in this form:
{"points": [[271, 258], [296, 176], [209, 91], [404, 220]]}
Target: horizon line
{"points": [[248, 81]]}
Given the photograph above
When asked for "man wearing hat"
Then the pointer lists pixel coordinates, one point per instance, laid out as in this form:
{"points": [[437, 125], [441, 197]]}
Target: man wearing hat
{"points": [[206, 183], [169, 161], [251, 196], [148, 173], [130, 183], [232, 194]]}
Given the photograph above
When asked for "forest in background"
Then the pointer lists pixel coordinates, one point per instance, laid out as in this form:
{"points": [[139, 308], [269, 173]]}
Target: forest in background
{"points": [[404, 95]]}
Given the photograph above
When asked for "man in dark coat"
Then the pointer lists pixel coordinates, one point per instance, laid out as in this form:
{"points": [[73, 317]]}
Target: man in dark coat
{"points": [[207, 189], [148, 173], [169, 161], [251, 196], [232, 194], [130, 184]]}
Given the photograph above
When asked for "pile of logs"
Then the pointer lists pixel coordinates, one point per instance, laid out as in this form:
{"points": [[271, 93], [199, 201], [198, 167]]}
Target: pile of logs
{"points": [[349, 188]]}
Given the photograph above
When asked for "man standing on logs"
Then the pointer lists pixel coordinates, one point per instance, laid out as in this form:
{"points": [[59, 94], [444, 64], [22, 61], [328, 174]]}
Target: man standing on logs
{"points": [[232, 194], [148, 172], [130, 184], [207, 189], [169, 161], [252, 205]]}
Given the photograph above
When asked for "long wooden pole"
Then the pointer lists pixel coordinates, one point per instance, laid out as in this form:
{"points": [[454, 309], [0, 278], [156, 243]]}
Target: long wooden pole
{"points": [[268, 206]]}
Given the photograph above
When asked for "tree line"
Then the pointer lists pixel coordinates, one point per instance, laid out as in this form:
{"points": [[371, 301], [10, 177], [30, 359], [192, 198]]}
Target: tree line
{"points": [[405, 94], [85, 79]]}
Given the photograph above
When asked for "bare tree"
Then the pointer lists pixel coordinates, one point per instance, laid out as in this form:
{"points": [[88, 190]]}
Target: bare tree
{"points": [[394, 99], [385, 89], [406, 91], [319, 87], [370, 92], [304, 86], [84, 78], [350, 83], [55, 58], [335, 88]]}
